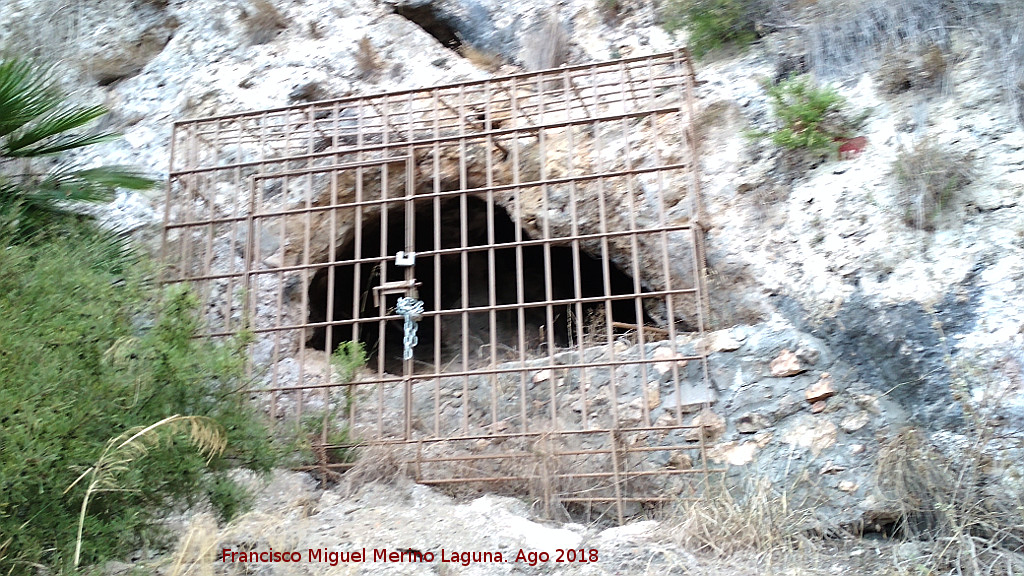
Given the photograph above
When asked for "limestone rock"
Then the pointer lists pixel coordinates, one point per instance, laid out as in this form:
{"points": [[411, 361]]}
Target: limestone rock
{"points": [[821, 390], [713, 426], [854, 422], [812, 433], [665, 356], [752, 423], [785, 364]]}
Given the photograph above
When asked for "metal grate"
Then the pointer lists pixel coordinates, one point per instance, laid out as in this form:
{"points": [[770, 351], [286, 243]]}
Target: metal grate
{"points": [[548, 223]]}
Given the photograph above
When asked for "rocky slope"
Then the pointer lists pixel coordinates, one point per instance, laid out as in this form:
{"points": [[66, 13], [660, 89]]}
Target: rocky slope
{"points": [[913, 327]]}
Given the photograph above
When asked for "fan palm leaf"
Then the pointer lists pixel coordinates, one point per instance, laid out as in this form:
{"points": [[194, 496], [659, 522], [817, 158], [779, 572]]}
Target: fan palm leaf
{"points": [[36, 121]]}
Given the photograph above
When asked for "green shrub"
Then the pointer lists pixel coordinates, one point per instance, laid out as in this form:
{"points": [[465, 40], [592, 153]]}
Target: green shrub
{"points": [[812, 117], [713, 23], [82, 360], [928, 178]]}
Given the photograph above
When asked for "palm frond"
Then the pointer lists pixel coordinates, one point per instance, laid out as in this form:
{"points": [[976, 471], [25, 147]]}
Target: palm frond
{"points": [[86, 185], [116, 176], [49, 133], [36, 121], [26, 93]]}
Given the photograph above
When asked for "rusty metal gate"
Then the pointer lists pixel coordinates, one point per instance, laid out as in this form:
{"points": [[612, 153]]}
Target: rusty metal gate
{"points": [[519, 258]]}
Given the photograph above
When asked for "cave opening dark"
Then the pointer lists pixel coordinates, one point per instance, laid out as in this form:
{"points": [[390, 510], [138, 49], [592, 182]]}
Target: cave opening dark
{"points": [[461, 278], [426, 16]]}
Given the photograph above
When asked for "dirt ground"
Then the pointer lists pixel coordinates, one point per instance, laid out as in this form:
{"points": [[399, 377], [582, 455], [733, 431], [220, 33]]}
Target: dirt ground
{"points": [[379, 528]]}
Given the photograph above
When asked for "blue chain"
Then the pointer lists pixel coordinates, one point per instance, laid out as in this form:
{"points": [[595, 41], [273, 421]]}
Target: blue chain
{"points": [[412, 310]]}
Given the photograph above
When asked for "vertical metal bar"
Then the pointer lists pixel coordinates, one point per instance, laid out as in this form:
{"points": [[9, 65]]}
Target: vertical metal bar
{"points": [[382, 309], [546, 236], [578, 325], [410, 246], [635, 266], [165, 272], [492, 319], [517, 222], [602, 208], [436, 205], [617, 482], [463, 259], [359, 291]]}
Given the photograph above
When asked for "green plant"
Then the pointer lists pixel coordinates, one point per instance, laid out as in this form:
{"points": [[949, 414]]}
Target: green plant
{"points": [[928, 178], [714, 23], [348, 358], [82, 358], [812, 117], [36, 123]]}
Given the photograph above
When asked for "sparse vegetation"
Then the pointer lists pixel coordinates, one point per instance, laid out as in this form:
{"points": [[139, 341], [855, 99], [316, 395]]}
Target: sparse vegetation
{"points": [[83, 359], [368, 62], [812, 117], [961, 505], [726, 521], [481, 59], [714, 23], [610, 11], [901, 72], [263, 21], [842, 36], [928, 178]]}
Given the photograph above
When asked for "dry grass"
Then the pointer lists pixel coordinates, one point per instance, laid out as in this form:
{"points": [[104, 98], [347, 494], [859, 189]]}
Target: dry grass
{"points": [[383, 464], [263, 22], [848, 35], [845, 36], [962, 526], [963, 502], [368, 61], [727, 521], [926, 70], [488, 61], [928, 179], [610, 11]]}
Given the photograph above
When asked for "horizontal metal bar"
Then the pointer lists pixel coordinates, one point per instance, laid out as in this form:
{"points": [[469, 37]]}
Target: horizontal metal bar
{"points": [[430, 378], [554, 241], [660, 58], [513, 435], [399, 200], [426, 142]]}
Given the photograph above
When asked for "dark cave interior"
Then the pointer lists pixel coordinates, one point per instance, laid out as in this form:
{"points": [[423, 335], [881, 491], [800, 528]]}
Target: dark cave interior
{"points": [[442, 288]]}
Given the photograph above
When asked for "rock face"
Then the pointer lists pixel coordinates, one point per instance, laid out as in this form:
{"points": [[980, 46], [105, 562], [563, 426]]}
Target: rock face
{"points": [[911, 326]]}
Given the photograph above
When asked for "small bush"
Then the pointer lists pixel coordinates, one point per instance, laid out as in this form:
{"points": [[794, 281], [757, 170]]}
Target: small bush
{"points": [[714, 23], [812, 117], [928, 178], [610, 11], [263, 22], [368, 61], [83, 359], [901, 72], [727, 520]]}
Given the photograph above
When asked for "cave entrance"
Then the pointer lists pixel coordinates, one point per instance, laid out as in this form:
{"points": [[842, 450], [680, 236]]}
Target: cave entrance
{"points": [[548, 221], [491, 292]]}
